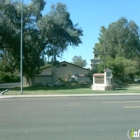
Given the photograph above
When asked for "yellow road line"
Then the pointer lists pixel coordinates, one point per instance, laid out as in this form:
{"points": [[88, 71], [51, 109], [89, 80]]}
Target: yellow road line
{"points": [[120, 102]]}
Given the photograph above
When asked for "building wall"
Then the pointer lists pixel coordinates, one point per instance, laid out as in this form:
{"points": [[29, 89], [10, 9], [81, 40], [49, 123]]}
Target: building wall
{"points": [[40, 80], [94, 63], [84, 79], [44, 80], [63, 71], [47, 71], [67, 69]]}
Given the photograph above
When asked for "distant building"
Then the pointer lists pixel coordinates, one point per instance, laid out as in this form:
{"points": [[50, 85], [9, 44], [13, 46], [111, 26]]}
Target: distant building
{"points": [[49, 75], [95, 61]]}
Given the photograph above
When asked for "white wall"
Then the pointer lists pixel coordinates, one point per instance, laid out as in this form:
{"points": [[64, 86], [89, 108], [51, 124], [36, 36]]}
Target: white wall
{"points": [[44, 80], [64, 71], [47, 71]]}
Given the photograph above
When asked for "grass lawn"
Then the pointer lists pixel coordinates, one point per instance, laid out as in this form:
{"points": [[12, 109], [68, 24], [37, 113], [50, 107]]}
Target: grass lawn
{"points": [[73, 88]]}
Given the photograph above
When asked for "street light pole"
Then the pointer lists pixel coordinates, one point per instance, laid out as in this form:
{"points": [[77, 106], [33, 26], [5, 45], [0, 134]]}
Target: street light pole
{"points": [[21, 51], [104, 58]]}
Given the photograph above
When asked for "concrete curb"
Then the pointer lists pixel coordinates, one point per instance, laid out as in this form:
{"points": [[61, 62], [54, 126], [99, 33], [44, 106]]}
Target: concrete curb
{"points": [[66, 95]]}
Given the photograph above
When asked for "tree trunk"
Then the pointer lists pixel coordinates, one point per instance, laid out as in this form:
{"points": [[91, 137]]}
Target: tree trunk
{"points": [[30, 81], [132, 77]]}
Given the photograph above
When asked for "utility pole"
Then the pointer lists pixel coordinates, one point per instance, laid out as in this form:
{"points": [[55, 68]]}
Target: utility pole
{"points": [[21, 51], [104, 58]]}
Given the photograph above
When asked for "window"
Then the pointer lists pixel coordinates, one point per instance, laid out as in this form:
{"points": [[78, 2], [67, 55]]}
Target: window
{"points": [[64, 65], [108, 74]]}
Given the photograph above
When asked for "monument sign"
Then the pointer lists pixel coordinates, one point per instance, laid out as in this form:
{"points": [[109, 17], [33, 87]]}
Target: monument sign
{"points": [[103, 81]]}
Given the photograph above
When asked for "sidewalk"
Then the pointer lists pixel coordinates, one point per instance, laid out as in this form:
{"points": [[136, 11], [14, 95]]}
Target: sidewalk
{"points": [[67, 95]]}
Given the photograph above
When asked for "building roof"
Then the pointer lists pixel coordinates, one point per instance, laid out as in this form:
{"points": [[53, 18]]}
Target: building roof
{"points": [[107, 69], [74, 65], [98, 74], [67, 63]]}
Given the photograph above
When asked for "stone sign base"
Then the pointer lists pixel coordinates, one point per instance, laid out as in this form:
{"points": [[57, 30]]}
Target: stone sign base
{"points": [[103, 81], [109, 88], [101, 87]]}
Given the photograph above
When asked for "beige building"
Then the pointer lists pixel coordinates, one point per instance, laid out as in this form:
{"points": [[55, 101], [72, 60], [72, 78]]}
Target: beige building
{"points": [[49, 74], [95, 61]]}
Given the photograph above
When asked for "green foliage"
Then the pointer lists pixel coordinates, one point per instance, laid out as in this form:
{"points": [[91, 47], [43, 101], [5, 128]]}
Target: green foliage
{"points": [[7, 72], [119, 46], [42, 35], [100, 67], [10, 26], [58, 31], [121, 66], [69, 75], [61, 78], [126, 66], [8, 77], [77, 60], [121, 38]]}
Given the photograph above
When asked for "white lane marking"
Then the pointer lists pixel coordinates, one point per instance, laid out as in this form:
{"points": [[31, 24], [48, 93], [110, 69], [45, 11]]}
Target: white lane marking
{"points": [[131, 107], [120, 102]]}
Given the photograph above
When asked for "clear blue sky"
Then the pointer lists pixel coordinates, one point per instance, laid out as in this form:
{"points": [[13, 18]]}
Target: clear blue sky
{"points": [[91, 15]]}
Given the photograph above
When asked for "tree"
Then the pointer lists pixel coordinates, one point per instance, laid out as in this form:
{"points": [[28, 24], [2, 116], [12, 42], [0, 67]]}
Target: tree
{"points": [[125, 67], [59, 31], [77, 60], [10, 35], [53, 32], [7, 71], [121, 66], [120, 44], [121, 38]]}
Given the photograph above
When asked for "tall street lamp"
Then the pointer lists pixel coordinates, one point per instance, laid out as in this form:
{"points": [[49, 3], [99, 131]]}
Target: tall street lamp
{"points": [[21, 51]]}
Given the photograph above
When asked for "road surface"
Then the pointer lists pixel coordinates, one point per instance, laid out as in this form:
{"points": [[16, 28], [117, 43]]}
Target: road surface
{"points": [[69, 118]]}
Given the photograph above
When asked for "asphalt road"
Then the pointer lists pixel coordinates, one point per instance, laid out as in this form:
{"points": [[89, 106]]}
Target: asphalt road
{"points": [[9, 85], [69, 118]]}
